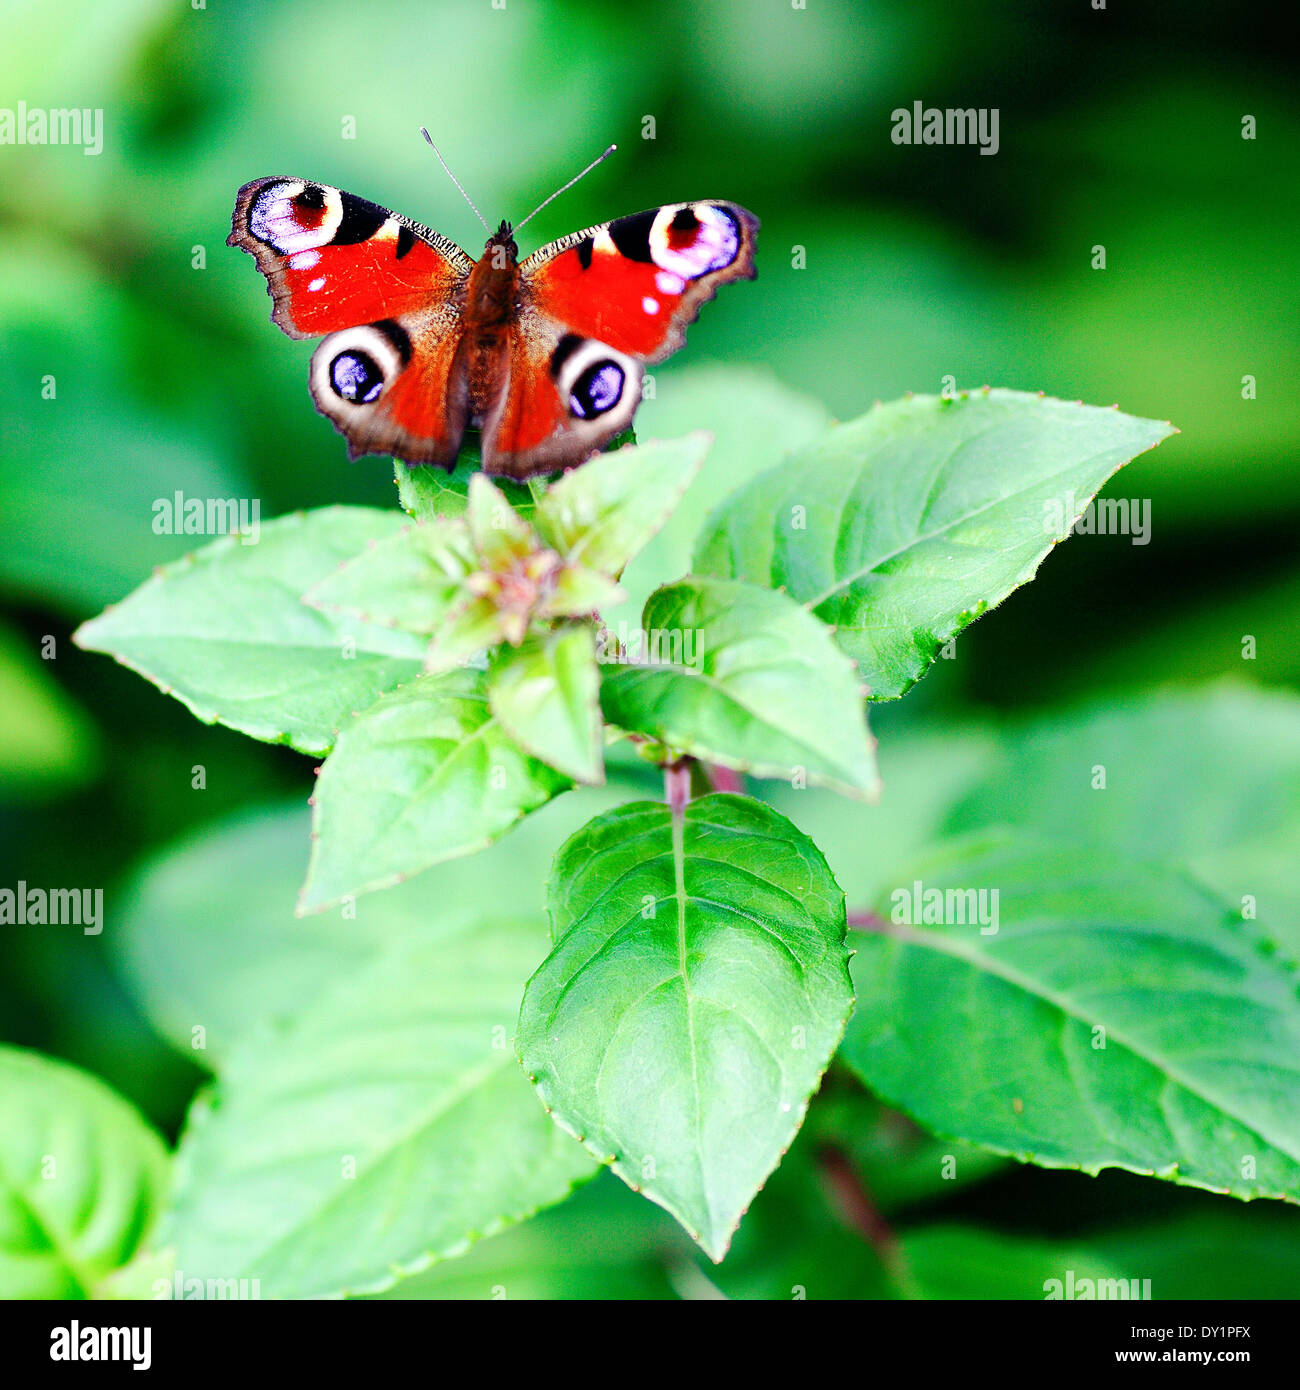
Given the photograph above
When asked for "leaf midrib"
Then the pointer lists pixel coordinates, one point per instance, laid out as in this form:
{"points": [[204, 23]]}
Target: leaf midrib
{"points": [[871, 566], [54, 1237], [1026, 984]]}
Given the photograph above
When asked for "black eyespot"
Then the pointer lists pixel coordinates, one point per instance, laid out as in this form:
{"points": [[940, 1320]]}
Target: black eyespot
{"points": [[356, 377], [597, 390], [313, 196], [684, 220]]}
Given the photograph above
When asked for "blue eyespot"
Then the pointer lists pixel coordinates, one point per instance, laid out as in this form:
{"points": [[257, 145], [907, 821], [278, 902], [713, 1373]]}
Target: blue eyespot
{"points": [[597, 390], [356, 377]]}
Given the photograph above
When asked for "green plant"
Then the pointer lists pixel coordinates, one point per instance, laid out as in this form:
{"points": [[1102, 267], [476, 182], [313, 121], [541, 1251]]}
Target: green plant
{"points": [[454, 666]]}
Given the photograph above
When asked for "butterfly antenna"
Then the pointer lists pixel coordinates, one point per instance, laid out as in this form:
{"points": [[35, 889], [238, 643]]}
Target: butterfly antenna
{"points": [[567, 186], [457, 182]]}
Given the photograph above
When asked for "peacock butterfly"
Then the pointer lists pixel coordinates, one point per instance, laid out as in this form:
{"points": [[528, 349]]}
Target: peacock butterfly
{"points": [[545, 355]]}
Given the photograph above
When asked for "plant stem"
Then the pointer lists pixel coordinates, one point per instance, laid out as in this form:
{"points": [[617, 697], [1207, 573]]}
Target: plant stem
{"points": [[677, 785], [855, 1204]]}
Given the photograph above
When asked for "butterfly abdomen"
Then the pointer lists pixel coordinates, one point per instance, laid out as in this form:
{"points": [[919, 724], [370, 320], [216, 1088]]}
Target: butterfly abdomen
{"points": [[490, 310]]}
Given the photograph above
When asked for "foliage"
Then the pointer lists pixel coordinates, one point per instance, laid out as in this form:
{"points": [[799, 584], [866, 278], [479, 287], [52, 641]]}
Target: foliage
{"points": [[331, 1104], [697, 985]]}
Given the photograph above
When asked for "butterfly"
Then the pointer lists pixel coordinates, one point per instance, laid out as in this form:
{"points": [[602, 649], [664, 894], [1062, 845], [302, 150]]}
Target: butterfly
{"points": [[544, 356]]}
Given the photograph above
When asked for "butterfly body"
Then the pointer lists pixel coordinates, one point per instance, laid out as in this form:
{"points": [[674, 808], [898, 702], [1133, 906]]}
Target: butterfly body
{"points": [[491, 301], [545, 356]]}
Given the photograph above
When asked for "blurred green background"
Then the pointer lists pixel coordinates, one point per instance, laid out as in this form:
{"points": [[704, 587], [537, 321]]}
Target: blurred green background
{"points": [[1120, 128]]}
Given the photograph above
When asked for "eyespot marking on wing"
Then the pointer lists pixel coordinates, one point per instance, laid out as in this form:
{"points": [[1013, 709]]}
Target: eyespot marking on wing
{"points": [[358, 365], [590, 376], [356, 377], [694, 240], [597, 391], [293, 217]]}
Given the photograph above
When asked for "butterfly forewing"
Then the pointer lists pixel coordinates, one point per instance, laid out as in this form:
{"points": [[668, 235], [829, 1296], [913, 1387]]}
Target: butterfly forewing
{"points": [[387, 291]]}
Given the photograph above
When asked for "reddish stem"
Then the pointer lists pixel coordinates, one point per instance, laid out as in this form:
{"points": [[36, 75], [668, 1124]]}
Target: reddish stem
{"points": [[677, 786], [855, 1204]]}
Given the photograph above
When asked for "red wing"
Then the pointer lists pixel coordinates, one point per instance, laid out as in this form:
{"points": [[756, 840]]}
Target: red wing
{"points": [[389, 292], [396, 387], [563, 397], [637, 282], [333, 260], [594, 307]]}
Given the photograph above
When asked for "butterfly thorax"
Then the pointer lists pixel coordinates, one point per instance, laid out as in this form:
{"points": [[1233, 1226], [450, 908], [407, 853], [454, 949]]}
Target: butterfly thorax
{"points": [[490, 294]]}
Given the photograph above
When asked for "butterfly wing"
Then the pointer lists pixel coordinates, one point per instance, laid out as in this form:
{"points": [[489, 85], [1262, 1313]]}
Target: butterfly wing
{"points": [[595, 307], [560, 398], [388, 292]]}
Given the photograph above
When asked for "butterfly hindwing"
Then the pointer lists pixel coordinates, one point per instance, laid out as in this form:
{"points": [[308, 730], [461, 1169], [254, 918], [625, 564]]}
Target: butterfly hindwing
{"points": [[594, 308], [388, 292], [564, 397]]}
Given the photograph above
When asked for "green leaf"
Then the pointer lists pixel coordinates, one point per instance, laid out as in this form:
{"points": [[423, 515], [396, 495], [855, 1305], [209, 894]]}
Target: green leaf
{"points": [[756, 422], [696, 991], [923, 772], [226, 631], [143, 1278], [81, 1179], [600, 1244], [1118, 776], [385, 1127], [244, 968], [425, 774], [602, 514], [1119, 1015], [1234, 1253], [470, 627], [578, 593], [546, 695], [903, 526], [502, 538], [407, 581], [745, 678], [427, 491]]}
